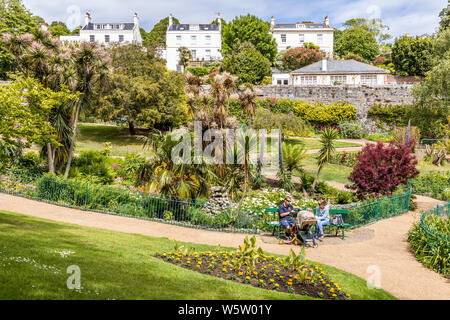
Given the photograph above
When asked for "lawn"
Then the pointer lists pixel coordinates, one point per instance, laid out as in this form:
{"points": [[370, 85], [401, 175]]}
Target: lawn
{"points": [[94, 136], [35, 254], [315, 143]]}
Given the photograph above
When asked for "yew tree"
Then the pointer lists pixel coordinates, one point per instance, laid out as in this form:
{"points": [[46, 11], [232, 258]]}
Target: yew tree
{"points": [[382, 168]]}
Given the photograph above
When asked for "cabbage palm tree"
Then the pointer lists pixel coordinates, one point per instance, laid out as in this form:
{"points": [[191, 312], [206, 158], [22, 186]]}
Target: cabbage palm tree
{"points": [[326, 151], [92, 66], [247, 99]]}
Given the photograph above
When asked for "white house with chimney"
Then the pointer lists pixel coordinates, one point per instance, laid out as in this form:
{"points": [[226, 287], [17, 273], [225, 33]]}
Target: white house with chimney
{"points": [[339, 72], [293, 35], [203, 40], [108, 32]]}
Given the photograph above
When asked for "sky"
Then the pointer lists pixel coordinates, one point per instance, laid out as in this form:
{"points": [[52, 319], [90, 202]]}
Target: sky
{"points": [[415, 17]]}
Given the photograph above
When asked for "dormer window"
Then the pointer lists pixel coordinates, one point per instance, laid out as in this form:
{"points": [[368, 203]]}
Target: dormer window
{"points": [[194, 27], [300, 26]]}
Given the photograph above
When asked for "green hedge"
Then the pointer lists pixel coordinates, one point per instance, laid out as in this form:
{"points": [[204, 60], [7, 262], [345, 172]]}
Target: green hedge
{"points": [[430, 239], [434, 183]]}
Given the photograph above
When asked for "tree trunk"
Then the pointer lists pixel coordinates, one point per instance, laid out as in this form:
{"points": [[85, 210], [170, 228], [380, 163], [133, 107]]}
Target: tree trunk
{"points": [[131, 128], [51, 158], [315, 181], [74, 136]]}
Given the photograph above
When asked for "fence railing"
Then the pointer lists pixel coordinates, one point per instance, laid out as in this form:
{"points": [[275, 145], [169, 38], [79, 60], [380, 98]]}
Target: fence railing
{"points": [[434, 230], [188, 213]]}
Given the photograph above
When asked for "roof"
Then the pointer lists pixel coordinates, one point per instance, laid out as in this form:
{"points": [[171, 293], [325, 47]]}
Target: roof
{"points": [[126, 26], [301, 26], [340, 66], [194, 27]]}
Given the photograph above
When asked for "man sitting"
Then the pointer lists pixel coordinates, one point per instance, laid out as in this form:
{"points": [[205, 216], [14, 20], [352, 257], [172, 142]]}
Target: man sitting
{"points": [[284, 211]]}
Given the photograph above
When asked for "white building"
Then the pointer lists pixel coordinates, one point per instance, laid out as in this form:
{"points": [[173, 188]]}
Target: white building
{"points": [[107, 32], [293, 35], [337, 72], [203, 40]]}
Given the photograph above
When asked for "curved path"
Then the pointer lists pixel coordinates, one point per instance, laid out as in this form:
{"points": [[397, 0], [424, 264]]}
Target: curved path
{"points": [[384, 250]]}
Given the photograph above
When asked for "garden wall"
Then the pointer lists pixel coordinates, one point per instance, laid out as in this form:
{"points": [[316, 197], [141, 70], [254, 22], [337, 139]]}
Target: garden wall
{"points": [[363, 97]]}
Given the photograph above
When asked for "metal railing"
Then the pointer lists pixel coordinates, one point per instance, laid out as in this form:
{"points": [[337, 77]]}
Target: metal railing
{"points": [[428, 223], [184, 212]]}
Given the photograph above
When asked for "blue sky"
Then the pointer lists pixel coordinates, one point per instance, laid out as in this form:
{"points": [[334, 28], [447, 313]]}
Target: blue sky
{"points": [[415, 17]]}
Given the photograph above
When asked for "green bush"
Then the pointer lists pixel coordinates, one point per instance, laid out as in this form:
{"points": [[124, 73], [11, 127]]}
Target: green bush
{"points": [[433, 252], [322, 114], [350, 130], [435, 184], [31, 163], [92, 166], [267, 80], [348, 159], [198, 71], [384, 137]]}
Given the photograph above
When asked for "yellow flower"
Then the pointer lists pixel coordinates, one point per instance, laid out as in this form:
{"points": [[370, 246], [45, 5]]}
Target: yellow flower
{"points": [[308, 278], [247, 277], [334, 295], [261, 281], [241, 273], [198, 266], [348, 294], [255, 273], [224, 269], [327, 284], [271, 280], [331, 290], [277, 285]]}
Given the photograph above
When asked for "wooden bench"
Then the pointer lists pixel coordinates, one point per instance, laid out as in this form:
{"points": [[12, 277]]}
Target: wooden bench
{"points": [[275, 224]]}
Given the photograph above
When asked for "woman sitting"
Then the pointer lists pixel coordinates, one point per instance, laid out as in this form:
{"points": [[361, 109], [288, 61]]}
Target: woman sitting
{"points": [[323, 218]]}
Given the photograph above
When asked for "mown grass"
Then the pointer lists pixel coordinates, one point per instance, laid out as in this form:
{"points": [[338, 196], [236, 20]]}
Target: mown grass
{"points": [[117, 265], [94, 136]]}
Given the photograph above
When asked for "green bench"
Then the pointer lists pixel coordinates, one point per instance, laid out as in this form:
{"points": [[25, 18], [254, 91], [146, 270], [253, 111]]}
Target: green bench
{"points": [[276, 223]]}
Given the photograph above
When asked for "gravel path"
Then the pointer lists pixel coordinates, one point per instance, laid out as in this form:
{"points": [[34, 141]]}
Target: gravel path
{"points": [[381, 246]]}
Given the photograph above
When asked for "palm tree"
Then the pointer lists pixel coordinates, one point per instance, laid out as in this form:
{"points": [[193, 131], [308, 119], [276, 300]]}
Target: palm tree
{"points": [[326, 152], [92, 66], [247, 99]]}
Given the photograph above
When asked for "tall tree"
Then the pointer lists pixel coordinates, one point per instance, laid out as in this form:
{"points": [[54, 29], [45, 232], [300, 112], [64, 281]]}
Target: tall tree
{"points": [[185, 55], [91, 68], [157, 36], [412, 56], [444, 23], [251, 29], [247, 63], [58, 28], [357, 40]]}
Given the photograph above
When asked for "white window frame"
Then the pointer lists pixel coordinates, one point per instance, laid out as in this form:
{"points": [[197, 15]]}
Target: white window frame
{"points": [[308, 80], [368, 79], [92, 38], [338, 78], [301, 37], [283, 38], [320, 38]]}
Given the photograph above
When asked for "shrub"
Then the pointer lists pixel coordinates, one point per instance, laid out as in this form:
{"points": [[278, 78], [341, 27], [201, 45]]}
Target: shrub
{"points": [[290, 124], [198, 71], [31, 163], [93, 166], [350, 130], [299, 57], [433, 252], [432, 183], [267, 81], [322, 114], [381, 169], [378, 136], [348, 159]]}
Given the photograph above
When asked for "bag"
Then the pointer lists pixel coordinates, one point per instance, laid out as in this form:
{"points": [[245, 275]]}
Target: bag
{"points": [[337, 220]]}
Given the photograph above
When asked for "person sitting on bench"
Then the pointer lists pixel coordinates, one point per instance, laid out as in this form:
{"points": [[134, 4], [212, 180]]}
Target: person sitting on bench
{"points": [[323, 218], [284, 212]]}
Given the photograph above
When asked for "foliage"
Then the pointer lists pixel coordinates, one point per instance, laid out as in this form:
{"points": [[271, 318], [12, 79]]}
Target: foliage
{"points": [[14, 17], [327, 139], [251, 29], [357, 40], [289, 123], [381, 169], [383, 136], [198, 71], [350, 130], [58, 28], [399, 134], [444, 23], [157, 36], [185, 55], [429, 120], [246, 62], [433, 252], [299, 57], [293, 155], [142, 90], [267, 81], [412, 56], [92, 166], [319, 113], [434, 183], [24, 109]]}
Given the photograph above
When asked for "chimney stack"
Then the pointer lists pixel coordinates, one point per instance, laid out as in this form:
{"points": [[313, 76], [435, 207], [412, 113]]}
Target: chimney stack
{"points": [[272, 22], [44, 26], [170, 20], [219, 21], [87, 18], [136, 20], [324, 64], [327, 21]]}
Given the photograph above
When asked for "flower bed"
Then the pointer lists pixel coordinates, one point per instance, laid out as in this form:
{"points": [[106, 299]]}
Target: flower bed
{"points": [[250, 265]]}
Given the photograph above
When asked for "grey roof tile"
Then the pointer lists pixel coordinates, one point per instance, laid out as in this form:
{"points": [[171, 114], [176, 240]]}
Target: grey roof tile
{"points": [[340, 66], [90, 26], [188, 27]]}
